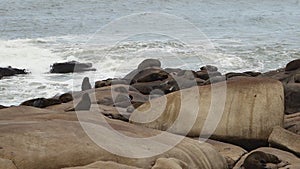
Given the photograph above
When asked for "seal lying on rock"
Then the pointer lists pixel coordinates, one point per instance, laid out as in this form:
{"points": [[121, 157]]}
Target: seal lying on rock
{"points": [[259, 159], [41, 102], [84, 104], [86, 85]]}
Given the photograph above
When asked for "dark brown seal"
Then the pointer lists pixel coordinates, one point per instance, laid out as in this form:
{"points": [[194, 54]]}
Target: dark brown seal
{"points": [[259, 159]]}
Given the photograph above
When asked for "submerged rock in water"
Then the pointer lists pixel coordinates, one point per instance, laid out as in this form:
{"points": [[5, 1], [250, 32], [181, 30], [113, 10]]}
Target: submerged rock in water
{"points": [[9, 71], [70, 67]]}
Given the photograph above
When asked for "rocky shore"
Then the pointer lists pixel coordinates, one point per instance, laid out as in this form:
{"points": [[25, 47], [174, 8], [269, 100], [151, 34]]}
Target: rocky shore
{"points": [[248, 120]]}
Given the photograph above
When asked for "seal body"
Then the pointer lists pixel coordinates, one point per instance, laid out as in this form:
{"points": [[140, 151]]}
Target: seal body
{"points": [[86, 85], [259, 159], [84, 104]]}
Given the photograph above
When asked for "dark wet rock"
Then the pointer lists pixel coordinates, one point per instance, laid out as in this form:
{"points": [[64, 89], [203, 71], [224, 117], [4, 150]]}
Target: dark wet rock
{"points": [[292, 98], [9, 71], [232, 74], [293, 65], [124, 104], [121, 89], [205, 75], [145, 88], [150, 75], [279, 74], [70, 67], [184, 83], [137, 98], [297, 78], [106, 101], [86, 85], [172, 70], [209, 68], [66, 97], [253, 74], [41, 102], [109, 82], [189, 74], [3, 107], [149, 63], [215, 79], [122, 98], [116, 116], [292, 123]]}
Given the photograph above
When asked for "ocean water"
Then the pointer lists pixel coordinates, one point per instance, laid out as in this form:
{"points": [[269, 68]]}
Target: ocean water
{"points": [[116, 35]]}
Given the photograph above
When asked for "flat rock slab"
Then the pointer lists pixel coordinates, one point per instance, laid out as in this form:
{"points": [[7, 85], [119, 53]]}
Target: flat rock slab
{"points": [[286, 140], [34, 138]]}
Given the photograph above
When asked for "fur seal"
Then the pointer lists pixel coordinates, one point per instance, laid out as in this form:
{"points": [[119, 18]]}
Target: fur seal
{"points": [[41, 102], [86, 85], [259, 159], [84, 104]]}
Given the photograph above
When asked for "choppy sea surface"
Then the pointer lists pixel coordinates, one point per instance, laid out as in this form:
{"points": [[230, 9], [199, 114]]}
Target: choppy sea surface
{"points": [[116, 35]]}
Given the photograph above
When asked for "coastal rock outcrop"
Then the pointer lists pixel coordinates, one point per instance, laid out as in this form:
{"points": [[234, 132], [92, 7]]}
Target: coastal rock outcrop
{"points": [[149, 63], [9, 71], [32, 139], [41, 102], [293, 65], [70, 67], [252, 107]]}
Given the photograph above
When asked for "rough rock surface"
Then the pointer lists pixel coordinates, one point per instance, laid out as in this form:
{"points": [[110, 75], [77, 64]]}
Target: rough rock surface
{"points": [[230, 152], [70, 67], [286, 140], [292, 123], [253, 106], [9, 71]]}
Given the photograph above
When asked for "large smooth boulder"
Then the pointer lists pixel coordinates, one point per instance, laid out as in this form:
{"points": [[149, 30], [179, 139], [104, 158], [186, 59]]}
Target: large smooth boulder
{"points": [[38, 138], [245, 110], [148, 63], [293, 65], [286, 140], [70, 67]]}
